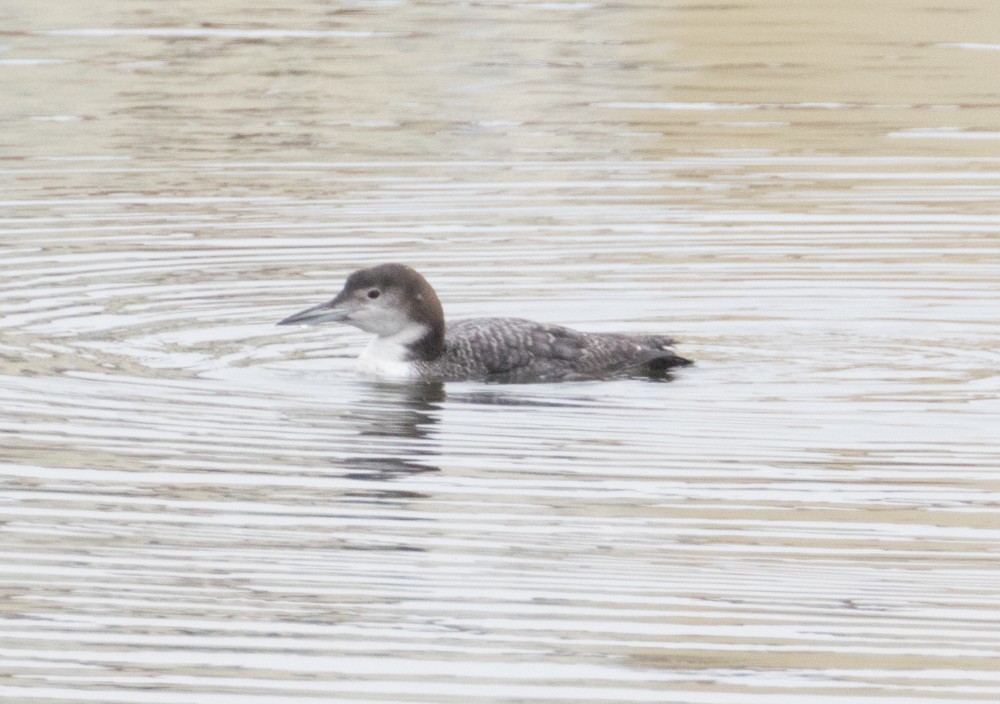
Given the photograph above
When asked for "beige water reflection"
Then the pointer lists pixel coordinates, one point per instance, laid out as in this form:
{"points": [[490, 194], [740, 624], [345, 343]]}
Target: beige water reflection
{"points": [[506, 80], [199, 506]]}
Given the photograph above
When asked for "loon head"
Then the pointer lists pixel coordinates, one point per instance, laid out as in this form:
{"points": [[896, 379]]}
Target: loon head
{"points": [[390, 301]]}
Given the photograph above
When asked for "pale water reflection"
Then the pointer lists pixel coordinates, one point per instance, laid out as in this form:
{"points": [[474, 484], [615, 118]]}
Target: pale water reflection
{"points": [[199, 506]]}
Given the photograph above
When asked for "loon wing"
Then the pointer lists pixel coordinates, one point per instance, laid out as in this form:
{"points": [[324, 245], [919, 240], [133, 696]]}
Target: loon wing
{"points": [[513, 349]]}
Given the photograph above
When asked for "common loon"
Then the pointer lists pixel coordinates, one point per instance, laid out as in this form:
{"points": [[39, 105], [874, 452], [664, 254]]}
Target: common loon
{"points": [[412, 341]]}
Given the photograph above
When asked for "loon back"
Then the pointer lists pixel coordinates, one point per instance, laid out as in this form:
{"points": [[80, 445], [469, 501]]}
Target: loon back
{"points": [[400, 307], [515, 350]]}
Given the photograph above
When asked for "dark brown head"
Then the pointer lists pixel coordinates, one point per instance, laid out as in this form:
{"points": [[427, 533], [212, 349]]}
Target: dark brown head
{"points": [[388, 300]]}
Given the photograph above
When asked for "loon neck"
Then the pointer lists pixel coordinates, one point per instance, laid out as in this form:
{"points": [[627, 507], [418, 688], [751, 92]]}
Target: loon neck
{"points": [[430, 345], [424, 309], [394, 355]]}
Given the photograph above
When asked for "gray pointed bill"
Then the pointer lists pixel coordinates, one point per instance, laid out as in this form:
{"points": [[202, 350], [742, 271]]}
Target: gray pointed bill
{"points": [[328, 312]]}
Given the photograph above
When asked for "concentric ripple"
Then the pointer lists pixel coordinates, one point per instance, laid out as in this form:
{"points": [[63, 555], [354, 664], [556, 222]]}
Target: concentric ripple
{"points": [[202, 503], [199, 506]]}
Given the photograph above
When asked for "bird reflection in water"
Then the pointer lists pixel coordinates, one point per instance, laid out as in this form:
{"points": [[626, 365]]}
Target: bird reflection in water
{"points": [[396, 420]]}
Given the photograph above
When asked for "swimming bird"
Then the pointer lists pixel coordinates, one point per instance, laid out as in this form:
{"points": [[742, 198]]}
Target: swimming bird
{"points": [[412, 340]]}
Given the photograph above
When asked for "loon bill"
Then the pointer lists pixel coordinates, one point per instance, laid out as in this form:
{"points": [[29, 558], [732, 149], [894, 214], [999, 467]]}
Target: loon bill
{"points": [[412, 340]]}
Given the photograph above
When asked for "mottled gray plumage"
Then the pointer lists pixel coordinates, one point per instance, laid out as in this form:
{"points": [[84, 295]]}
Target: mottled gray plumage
{"points": [[515, 350], [397, 304]]}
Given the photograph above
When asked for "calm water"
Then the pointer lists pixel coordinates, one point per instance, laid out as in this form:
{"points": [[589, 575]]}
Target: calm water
{"points": [[199, 506]]}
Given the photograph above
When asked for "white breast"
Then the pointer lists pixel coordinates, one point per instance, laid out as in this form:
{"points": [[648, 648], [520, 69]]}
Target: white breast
{"points": [[386, 357]]}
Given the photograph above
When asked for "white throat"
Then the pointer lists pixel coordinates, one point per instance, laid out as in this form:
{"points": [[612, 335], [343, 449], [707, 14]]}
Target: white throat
{"points": [[387, 356]]}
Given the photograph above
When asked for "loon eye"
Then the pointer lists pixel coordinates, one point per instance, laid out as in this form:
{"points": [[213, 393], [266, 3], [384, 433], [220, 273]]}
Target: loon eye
{"points": [[374, 293]]}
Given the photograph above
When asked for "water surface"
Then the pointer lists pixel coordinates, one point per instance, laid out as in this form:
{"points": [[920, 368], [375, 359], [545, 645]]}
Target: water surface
{"points": [[198, 505]]}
